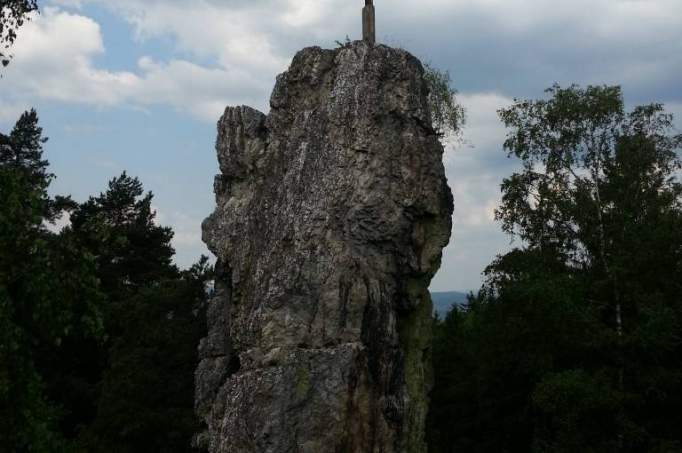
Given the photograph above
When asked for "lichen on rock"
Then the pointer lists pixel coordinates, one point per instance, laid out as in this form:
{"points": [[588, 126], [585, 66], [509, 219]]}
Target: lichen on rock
{"points": [[332, 213]]}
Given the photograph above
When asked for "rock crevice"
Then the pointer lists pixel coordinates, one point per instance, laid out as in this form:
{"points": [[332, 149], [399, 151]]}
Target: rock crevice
{"points": [[332, 213]]}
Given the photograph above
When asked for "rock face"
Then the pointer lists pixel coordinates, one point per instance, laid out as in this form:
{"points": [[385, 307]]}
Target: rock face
{"points": [[332, 212]]}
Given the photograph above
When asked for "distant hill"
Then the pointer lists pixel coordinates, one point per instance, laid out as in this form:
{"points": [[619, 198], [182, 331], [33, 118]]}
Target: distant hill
{"points": [[442, 302]]}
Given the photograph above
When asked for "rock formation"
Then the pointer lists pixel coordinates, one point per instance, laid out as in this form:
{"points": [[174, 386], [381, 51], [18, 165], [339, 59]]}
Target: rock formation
{"points": [[332, 213]]}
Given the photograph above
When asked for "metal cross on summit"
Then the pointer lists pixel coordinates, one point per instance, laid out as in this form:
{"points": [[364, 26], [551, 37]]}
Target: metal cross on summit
{"points": [[368, 22]]}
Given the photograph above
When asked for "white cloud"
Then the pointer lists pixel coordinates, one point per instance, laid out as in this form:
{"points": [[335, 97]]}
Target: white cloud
{"points": [[305, 12], [187, 235], [204, 92], [676, 109], [483, 129], [60, 223], [604, 16], [476, 169], [10, 112], [54, 61], [475, 172], [243, 44], [228, 52], [77, 4], [206, 29]]}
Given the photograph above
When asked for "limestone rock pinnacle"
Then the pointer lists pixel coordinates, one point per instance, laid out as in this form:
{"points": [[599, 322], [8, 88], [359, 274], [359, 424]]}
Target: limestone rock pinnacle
{"points": [[332, 213]]}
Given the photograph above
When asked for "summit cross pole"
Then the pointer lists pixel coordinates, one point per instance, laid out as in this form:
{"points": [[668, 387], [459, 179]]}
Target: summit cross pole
{"points": [[369, 22]]}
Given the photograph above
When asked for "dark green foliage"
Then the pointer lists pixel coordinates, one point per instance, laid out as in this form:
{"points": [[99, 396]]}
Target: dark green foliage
{"points": [[22, 150], [118, 227], [140, 380], [98, 328], [574, 343], [48, 291], [147, 397], [13, 14]]}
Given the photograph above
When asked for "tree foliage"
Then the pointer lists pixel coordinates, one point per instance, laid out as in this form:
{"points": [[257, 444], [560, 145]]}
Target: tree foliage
{"points": [[119, 227], [574, 343], [447, 114], [13, 15], [141, 378], [98, 327], [147, 397], [48, 291]]}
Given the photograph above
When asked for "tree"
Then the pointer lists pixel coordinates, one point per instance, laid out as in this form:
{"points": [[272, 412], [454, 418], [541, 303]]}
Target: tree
{"points": [[119, 227], [130, 253], [140, 380], [147, 400], [489, 355], [580, 328], [22, 150], [48, 291], [98, 327], [13, 15], [447, 114], [598, 194]]}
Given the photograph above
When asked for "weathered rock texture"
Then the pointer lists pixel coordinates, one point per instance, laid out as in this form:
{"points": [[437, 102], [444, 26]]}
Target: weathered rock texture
{"points": [[332, 212]]}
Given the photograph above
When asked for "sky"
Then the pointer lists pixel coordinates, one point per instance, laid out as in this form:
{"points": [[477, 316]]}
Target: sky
{"points": [[138, 85]]}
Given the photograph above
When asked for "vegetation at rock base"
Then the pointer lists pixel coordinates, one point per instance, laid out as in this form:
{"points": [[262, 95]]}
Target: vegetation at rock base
{"points": [[98, 327], [574, 342]]}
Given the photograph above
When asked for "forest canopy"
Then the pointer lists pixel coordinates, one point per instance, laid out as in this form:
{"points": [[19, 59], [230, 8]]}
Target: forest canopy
{"points": [[98, 327], [574, 342]]}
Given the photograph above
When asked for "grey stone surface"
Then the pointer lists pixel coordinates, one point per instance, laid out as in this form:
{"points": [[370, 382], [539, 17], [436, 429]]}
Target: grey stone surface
{"points": [[332, 213]]}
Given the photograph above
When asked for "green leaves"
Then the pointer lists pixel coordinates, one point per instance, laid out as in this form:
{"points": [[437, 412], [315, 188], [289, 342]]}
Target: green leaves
{"points": [[578, 413], [575, 341], [570, 128], [569, 145], [13, 14], [147, 400], [48, 291], [118, 227], [447, 114], [98, 328], [598, 193]]}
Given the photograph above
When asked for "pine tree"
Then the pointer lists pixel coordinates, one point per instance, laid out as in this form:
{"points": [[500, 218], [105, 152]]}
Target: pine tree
{"points": [[147, 400], [141, 378], [48, 290], [119, 227]]}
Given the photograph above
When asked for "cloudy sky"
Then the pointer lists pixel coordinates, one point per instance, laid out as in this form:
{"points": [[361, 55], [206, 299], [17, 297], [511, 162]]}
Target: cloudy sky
{"points": [[138, 85]]}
